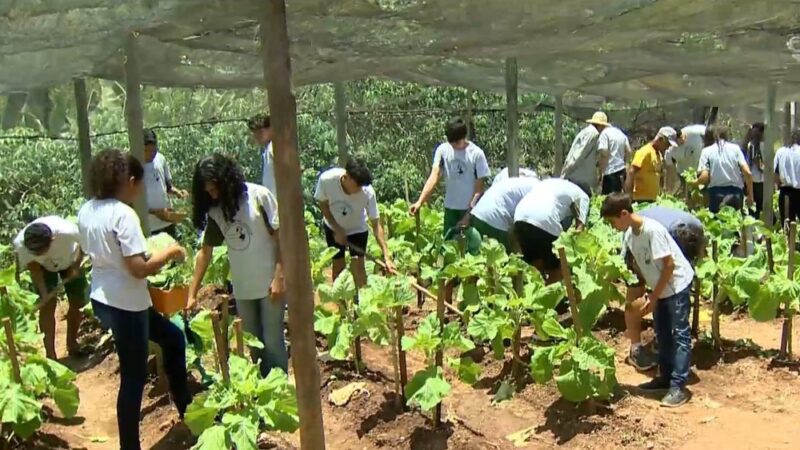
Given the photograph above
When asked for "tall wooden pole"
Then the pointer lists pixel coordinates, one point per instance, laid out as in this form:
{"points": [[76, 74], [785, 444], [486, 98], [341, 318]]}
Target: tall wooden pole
{"points": [[769, 153], [512, 117], [84, 141], [292, 233], [559, 132], [786, 129], [134, 119], [468, 114], [340, 97]]}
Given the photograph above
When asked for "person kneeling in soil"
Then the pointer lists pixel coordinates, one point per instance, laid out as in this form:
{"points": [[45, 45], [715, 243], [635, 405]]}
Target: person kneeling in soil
{"points": [[347, 199], [540, 218], [687, 231], [49, 248], [669, 276], [111, 234], [244, 217]]}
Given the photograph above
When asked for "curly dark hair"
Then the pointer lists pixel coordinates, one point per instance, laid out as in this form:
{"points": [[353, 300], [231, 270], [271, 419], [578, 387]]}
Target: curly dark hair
{"points": [[691, 241], [227, 176], [258, 121], [110, 169]]}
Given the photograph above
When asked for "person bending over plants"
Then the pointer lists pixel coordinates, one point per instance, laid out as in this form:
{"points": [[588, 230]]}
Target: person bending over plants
{"points": [[49, 248], [347, 199], [111, 234], [244, 217], [669, 276]]}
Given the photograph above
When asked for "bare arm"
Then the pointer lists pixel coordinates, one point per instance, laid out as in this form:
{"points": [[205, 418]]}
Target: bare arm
{"points": [[278, 287], [477, 192], [704, 178], [141, 268], [629, 179], [602, 164], [748, 181], [666, 275], [671, 178], [430, 185], [37, 276], [201, 263], [380, 237]]}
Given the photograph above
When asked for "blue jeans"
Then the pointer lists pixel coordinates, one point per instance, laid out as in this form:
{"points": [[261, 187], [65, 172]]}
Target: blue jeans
{"points": [[131, 331], [263, 318], [671, 317], [717, 194]]}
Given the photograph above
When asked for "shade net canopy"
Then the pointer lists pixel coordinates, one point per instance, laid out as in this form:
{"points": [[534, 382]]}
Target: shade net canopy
{"points": [[721, 52]]}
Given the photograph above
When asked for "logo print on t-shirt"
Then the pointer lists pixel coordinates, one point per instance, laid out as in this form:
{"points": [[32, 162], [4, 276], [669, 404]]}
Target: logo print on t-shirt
{"points": [[238, 235], [342, 209], [459, 168]]}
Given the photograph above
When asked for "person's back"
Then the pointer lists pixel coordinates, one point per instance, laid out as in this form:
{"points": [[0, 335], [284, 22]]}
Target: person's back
{"points": [[523, 173], [615, 140], [550, 203], [647, 177], [687, 155], [723, 160], [497, 205], [670, 217], [581, 161]]}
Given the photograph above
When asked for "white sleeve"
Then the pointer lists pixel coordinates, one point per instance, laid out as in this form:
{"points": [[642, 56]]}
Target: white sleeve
{"points": [[602, 143], [128, 231], [270, 207], [659, 244], [481, 166], [24, 257], [71, 231], [740, 156], [167, 175], [703, 165], [583, 206], [319, 192], [437, 156], [372, 203]]}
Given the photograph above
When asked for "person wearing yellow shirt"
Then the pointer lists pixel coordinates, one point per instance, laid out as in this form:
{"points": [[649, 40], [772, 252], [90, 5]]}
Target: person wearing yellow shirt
{"points": [[644, 175]]}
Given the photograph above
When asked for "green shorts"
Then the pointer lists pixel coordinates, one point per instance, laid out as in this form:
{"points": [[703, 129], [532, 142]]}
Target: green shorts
{"points": [[488, 231], [452, 217], [77, 290]]}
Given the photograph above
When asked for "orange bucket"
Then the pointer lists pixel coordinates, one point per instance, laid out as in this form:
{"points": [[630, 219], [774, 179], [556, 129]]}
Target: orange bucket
{"points": [[169, 302]]}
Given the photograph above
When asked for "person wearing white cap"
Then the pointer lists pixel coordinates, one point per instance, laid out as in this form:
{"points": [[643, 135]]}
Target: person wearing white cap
{"points": [[724, 169], [644, 176], [686, 155], [580, 165]]}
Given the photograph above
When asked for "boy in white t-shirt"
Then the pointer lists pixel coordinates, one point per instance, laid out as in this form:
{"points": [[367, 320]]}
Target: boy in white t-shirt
{"points": [[261, 128], [669, 276], [464, 167], [162, 218], [348, 201]]}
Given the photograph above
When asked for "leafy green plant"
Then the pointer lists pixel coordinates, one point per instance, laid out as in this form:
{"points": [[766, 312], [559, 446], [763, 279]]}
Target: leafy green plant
{"points": [[175, 274]]}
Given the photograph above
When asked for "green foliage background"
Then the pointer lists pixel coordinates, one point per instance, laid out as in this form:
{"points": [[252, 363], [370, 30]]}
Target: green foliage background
{"points": [[394, 126]]}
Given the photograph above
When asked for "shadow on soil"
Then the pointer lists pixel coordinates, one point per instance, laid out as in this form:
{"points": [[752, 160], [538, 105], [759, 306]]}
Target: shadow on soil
{"points": [[388, 412], [178, 437], [565, 420], [705, 356], [425, 438], [47, 441]]}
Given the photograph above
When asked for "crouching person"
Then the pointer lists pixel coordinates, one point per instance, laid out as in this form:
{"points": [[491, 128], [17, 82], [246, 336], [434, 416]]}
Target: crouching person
{"points": [[668, 275]]}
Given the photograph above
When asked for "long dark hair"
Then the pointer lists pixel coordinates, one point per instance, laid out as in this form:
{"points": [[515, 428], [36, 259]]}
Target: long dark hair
{"points": [[751, 146], [229, 180]]}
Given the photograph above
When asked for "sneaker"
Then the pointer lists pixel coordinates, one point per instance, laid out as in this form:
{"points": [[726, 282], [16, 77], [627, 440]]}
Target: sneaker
{"points": [[656, 384], [675, 397], [642, 359]]}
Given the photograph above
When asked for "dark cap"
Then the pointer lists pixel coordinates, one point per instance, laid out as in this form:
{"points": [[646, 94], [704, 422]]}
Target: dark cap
{"points": [[150, 136], [37, 237]]}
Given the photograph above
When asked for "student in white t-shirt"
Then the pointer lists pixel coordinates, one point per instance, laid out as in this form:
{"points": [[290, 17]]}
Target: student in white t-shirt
{"points": [[540, 217], [615, 152], [723, 169], [686, 155], [159, 187], [493, 216], [668, 275], [523, 173], [752, 146], [111, 234], [261, 129], [787, 178], [243, 217], [49, 247], [347, 201], [464, 167]]}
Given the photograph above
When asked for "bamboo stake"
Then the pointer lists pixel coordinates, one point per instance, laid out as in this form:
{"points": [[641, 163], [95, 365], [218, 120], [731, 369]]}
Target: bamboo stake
{"points": [[226, 306], [437, 412], [12, 350], [417, 247], [237, 329], [357, 342], [786, 333], [222, 355], [401, 354], [770, 256], [516, 361], [696, 311], [715, 333], [573, 299]]}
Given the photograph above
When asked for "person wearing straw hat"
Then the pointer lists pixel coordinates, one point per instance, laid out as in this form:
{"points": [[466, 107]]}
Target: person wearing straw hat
{"points": [[581, 163], [644, 175]]}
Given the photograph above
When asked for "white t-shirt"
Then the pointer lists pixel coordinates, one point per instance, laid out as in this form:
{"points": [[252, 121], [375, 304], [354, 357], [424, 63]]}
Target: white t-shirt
{"points": [[649, 247], [787, 166], [687, 155], [755, 170], [581, 162], [523, 173], [268, 169], [723, 161], [63, 249], [461, 168], [497, 205], [110, 231], [613, 140], [251, 247], [547, 206], [158, 179], [349, 211]]}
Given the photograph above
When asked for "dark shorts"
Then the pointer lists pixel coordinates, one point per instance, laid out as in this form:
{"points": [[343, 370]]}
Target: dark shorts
{"points": [[452, 217], [536, 245], [717, 194], [614, 182], [357, 239], [77, 290]]}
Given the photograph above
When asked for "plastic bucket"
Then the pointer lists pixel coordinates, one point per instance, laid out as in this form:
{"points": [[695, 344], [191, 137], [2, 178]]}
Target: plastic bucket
{"points": [[169, 302]]}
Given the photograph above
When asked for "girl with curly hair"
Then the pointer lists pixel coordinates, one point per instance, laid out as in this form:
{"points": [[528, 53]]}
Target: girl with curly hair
{"points": [[111, 234], [244, 217]]}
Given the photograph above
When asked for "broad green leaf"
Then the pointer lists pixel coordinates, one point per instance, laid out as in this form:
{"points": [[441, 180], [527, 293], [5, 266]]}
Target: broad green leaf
{"points": [[214, 438], [34, 378], [199, 417], [547, 296], [26, 429], [243, 431], [325, 321], [542, 365], [466, 369], [573, 383], [340, 347], [485, 325], [427, 388], [427, 338], [764, 305], [67, 399], [504, 392], [552, 328], [252, 341], [592, 307], [16, 406], [452, 338]]}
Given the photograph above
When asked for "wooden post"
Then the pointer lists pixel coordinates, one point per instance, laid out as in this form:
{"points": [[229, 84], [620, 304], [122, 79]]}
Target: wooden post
{"points": [[402, 364], [768, 152], [512, 117], [786, 332], [340, 98], [698, 286], [770, 257], [222, 347], [744, 246], [134, 120], [359, 361], [12, 350], [786, 129], [716, 294], [516, 361], [84, 140], [573, 298], [418, 247], [559, 134], [468, 116], [437, 412], [225, 315], [237, 329], [293, 236]]}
